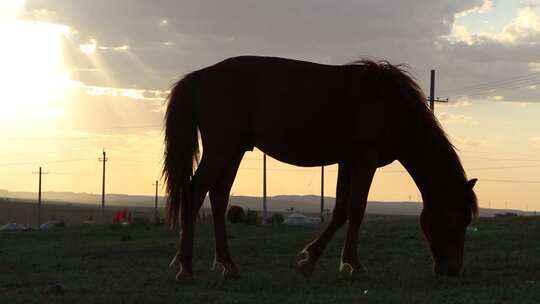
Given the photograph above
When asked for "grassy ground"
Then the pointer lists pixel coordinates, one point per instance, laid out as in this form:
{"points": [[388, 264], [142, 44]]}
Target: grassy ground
{"points": [[129, 265]]}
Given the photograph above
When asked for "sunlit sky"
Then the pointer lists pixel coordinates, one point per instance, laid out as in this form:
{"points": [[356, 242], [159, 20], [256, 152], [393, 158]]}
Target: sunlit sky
{"points": [[77, 77]]}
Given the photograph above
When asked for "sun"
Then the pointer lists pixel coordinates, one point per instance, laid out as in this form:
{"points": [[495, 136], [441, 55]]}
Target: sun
{"points": [[32, 72]]}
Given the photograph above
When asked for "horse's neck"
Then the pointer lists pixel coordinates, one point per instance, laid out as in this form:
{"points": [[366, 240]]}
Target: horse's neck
{"points": [[434, 170]]}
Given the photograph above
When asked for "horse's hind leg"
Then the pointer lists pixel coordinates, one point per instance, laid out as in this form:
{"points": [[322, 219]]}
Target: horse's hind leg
{"points": [[219, 198], [206, 175], [362, 172], [311, 253]]}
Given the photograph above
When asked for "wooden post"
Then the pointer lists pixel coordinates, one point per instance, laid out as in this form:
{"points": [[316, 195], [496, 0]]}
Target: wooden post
{"points": [[322, 194], [432, 91], [39, 173], [431, 97], [155, 203], [104, 160], [264, 190], [39, 200]]}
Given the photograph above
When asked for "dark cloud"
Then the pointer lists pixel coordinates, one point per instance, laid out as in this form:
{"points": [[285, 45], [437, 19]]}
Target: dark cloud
{"points": [[169, 38], [139, 22], [198, 33]]}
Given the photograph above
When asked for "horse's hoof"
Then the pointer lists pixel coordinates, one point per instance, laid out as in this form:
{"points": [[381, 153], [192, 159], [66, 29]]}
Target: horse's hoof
{"points": [[184, 277], [306, 269], [352, 270], [304, 264], [231, 273], [228, 270]]}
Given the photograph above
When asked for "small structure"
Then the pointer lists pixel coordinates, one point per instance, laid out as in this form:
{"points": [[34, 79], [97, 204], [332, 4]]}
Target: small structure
{"points": [[52, 224], [12, 227], [507, 214], [300, 219], [89, 221], [122, 217]]}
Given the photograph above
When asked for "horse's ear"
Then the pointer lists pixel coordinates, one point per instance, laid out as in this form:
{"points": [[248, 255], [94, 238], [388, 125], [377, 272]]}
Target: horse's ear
{"points": [[472, 182]]}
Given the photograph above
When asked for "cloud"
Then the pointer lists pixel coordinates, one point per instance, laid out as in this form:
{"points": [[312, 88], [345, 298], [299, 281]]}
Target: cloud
{"points": [[489, 57], [535, 142], [147, 95], [487, 5], [100, 110], [200, 33], [448, 118], [523, 29], [149, 45], [486, 142]]}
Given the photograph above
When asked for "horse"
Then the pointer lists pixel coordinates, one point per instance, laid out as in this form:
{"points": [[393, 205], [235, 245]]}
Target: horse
{"points": [[362, 116]]}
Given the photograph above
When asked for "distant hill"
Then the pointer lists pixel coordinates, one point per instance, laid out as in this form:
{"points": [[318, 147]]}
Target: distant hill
{"points": [[279, 203]]}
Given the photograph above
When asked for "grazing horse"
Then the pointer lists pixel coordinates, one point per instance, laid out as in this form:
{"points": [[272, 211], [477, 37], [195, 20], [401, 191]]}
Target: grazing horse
{"points": [[362, 116]]}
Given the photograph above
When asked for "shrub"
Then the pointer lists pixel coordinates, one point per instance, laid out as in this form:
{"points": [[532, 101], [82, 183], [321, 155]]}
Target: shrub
{"points": [[276, 218], [159, 221], [141, 221], [236, 214], [252, 218]]}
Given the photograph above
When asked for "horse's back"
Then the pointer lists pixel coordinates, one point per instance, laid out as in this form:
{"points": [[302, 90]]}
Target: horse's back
{"points": [[296, 111]]}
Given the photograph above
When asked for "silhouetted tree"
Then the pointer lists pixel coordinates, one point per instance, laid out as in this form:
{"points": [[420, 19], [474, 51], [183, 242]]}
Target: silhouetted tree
{"points": [[236, 214]]}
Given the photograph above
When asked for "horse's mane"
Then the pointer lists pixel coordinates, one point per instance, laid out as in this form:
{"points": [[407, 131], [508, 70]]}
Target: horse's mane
{"points": [[429, 127]]}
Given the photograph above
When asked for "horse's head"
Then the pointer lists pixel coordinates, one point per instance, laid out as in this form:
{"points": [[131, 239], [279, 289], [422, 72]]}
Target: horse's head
{"points": [[444, 226]]}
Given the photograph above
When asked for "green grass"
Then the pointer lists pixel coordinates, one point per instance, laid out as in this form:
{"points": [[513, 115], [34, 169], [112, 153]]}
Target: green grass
{"points": [[95, 265]]}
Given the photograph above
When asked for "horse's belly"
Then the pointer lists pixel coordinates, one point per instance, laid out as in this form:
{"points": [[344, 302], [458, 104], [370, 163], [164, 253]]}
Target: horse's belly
{"points": [[311, 151], [302, 154]]}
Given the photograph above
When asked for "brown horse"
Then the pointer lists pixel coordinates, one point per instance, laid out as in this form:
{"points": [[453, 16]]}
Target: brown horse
{"points": [[373, 113]]}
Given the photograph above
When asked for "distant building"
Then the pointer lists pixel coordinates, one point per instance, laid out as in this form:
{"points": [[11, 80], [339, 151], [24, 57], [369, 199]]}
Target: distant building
{"points": [[300, 219]]}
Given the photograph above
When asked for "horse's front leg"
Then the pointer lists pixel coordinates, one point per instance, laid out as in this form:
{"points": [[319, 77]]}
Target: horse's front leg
{"points": [[219, 198], [362, 172], [307, 258]]}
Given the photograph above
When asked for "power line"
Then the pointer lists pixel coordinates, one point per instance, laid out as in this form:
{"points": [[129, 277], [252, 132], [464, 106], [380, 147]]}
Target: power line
{"points": [[306, 169], [491, 87], [513, 181], [494, 89], [46, 162], [507, 159], [502, 167], [494, 152], [497, 83], [89, 128], [389, 170], [516, 84]]}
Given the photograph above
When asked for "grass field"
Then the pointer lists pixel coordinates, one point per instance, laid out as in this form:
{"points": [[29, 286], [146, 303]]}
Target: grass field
{"points": [[99, 264]]}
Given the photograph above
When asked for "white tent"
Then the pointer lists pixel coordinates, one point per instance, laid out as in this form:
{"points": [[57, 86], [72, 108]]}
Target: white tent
{"points": [[51, 224], [300, 219], [12, 227]]}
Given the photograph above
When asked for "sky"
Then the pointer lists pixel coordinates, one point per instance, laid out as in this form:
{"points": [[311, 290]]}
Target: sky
{"points": [[80, 76]]}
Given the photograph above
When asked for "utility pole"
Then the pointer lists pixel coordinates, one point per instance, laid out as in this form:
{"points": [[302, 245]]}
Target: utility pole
{"points": [[155, 202], [103, 160], [264, 190], [40, 172], [431, 97], [322, 194]]}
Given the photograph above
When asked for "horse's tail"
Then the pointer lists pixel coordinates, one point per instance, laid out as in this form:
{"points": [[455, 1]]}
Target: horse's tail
{"points": [[181, 149]]}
